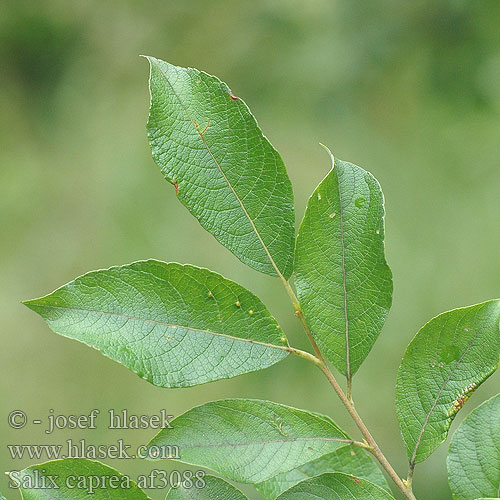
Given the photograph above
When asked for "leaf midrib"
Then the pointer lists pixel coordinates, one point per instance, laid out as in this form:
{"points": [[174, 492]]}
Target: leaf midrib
{"points": [[162, 323], [258, 443], [344, 277], [203, 140]]}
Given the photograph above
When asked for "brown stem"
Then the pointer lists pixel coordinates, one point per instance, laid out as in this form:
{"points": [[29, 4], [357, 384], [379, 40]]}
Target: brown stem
{"points": [[319, 360], [411, 470], [374, 448]]}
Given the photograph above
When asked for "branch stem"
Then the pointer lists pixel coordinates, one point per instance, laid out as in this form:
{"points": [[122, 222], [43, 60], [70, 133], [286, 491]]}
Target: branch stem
{"points": [[303, 354], [371, 445], [411, 470]]}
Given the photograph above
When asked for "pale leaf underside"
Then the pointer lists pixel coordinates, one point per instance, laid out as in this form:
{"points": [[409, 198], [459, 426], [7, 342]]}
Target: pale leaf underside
{"points": [[336, 486], [174, 325], [73, 478], [250, 441], [215, 488], [349, 459]]}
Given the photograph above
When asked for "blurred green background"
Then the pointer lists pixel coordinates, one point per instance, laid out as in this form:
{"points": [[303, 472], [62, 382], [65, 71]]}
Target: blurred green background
{"points": [[408, 90]]}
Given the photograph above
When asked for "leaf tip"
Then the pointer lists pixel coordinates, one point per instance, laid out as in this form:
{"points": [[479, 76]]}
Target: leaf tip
{"points": [[151, 60], [32, 304], [327, 149]]}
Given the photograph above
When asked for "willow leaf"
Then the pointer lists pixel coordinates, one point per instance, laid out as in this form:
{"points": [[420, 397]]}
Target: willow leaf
{"points": [[215, 489], [76, 479], [250, 440], [474, 455], [225, 171], [443, 365], [336, 486], [349, 459], [343, 282], [173, 325]]}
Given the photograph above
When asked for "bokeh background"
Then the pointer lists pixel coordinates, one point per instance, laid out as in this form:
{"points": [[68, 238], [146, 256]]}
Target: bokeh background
{"points": [[408, 90]]}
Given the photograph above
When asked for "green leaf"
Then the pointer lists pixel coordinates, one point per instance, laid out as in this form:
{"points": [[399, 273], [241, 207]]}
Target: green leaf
{"points": [[227, 174], [343, 282], [77, 479], [250, 441], [349, 459], [443, 365], [336, 486], [214, 489], [173, 325], [474, 455]]}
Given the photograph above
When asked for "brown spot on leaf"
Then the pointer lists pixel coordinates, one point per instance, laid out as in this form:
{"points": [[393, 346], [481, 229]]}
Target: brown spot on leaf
{"points": [[462, 399], [176, 186], [233, 97], [206, 128]]}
